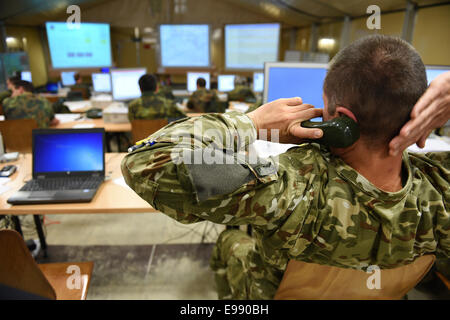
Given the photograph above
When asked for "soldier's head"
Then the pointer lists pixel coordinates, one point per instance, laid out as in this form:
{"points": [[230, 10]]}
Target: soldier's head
{"points": [[148, 83], [201, 83], [379, 79], [22, 86], [11, 81], [77, 78], [240, 81]]}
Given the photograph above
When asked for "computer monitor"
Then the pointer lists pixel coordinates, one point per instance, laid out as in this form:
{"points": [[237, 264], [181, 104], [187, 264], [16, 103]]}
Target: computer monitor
{"points": [[68, 78], [26, 75], [125, 83], [192, 80], [101, 82], [434, 71], [258, 82], [225, 82], [287, 80]]}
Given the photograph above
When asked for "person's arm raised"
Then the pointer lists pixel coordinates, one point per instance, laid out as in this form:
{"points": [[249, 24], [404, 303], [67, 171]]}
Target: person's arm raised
{"points": [[430, 112]]}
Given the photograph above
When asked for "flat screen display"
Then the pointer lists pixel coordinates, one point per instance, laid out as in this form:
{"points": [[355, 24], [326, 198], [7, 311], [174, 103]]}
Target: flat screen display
{"points": [[101, 82], [192, 80], [184, 45], [88, 46], [249, 46], [62, 152], [225, 82], [125, 83], [68, 78]]}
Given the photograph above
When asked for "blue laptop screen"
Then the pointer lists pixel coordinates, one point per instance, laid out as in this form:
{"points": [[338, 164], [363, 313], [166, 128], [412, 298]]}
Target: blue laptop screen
{"points": [[59, 152]]}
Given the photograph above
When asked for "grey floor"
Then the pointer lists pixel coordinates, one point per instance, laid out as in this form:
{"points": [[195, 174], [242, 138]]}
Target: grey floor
{"points": [[136, 256], [147, 256]]}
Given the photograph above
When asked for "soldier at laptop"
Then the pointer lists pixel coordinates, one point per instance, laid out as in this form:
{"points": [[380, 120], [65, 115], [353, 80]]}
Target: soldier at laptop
{"points": [[23, 104]]}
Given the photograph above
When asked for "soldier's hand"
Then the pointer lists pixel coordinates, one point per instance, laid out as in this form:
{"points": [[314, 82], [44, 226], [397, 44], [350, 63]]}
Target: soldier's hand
{"points": [[285, 115], [430, 112]]}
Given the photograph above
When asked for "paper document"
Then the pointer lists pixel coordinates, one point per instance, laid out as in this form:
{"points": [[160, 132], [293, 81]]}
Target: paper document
{"points": [[76, 105], [121, 182], [83, 126], [67, 117]]}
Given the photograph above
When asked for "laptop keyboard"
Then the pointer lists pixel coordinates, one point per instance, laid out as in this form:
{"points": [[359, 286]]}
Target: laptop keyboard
{"points": [[62, 184]]}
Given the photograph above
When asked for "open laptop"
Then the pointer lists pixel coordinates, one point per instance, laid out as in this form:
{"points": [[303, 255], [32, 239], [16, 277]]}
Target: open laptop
{"points": [[68, 166]]}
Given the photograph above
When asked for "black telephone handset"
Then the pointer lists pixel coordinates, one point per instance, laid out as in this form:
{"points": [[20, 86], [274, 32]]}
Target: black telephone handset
{"points": [[340, 132]]}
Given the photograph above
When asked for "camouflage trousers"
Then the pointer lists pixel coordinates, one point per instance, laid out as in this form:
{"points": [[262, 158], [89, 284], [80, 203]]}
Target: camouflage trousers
{"points": [[240, 272]]}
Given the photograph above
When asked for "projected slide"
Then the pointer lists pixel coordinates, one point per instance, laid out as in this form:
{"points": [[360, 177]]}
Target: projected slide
{"points": [[248, 46], [86, 47], [184, 45]]}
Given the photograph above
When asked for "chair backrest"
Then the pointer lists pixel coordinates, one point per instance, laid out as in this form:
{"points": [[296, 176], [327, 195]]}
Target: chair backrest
{"points": [[76, 94], [18, 268], [310, 281], [17, 134], [141, 129]]}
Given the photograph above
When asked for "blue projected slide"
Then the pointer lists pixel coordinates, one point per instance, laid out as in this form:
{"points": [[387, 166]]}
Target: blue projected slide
{"points": [[306, 83], [434, 72], [248, 46], [68, 152], [184, 45], [87, 46]]}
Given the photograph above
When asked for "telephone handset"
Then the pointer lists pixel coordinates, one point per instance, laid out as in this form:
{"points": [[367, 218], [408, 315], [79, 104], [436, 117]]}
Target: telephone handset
{"points": [[340, 132]]}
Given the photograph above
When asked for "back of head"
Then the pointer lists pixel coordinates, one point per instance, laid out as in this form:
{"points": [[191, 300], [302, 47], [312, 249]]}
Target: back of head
{"points": [[379, 78], [201, 83], [148, 83], [25, 85], [77, 77], [240, 81]]}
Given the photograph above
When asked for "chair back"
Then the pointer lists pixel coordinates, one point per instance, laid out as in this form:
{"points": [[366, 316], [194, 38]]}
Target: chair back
{"points": [[18, 269], [141, 129], [17, 134], [310, 281]]}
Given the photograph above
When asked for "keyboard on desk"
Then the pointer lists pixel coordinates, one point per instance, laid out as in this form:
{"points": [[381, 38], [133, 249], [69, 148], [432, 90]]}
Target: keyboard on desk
{"points": [[62, 184]]}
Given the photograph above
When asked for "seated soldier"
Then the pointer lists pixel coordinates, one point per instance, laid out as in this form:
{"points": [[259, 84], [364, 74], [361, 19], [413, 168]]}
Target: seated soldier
{"points": [[150, 105], [349, 207], [241, 91], [23, 104], [202, 100], [165, 89], [81, 87], [10, 85]]}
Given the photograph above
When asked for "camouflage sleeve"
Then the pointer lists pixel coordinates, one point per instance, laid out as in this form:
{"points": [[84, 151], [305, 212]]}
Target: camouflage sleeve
{"points": [[200, 169], [49, 110], [441, 176], [132, 110], [174, 112]]}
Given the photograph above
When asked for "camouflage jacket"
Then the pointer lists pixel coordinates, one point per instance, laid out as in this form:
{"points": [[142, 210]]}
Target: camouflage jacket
{"points": [[29, 106], [305, 204], [241, 93], [202, 100], [151, 106], [4, 95], [166, 92]]}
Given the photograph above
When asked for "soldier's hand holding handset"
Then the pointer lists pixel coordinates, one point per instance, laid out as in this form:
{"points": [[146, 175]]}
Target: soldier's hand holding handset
{"points": [[286, 115], [430, 112]]}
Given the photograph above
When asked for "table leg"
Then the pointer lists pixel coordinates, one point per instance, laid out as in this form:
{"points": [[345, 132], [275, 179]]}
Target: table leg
{"points": [[40, 231], [17, 225]]}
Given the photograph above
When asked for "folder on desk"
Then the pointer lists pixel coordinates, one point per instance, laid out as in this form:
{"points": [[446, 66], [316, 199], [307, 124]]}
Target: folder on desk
{"points": [[68, 166]]}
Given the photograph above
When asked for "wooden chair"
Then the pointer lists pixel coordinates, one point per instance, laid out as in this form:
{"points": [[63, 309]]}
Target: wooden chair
{"points": [[19, 270], [17, 134], [310, 281], [141, 129]]}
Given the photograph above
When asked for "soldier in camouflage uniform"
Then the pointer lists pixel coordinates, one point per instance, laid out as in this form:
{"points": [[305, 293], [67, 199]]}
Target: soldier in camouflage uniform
{"points": [[150, 105], [203, 100], [254, 106], [10, 84], [23, 104], [165, 89], [241, 91], [348, 208]]}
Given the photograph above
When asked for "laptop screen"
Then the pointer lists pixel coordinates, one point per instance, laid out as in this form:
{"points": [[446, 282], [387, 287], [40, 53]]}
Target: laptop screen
{"points": [[68, 150]]}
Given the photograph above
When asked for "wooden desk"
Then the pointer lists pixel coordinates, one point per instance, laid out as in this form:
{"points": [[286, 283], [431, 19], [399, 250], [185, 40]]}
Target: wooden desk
{"points": [[110, 197], [109, 127]]}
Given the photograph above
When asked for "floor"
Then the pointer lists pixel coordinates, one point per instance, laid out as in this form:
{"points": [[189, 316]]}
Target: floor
{"points": [[136, 256], [148, 256]]}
